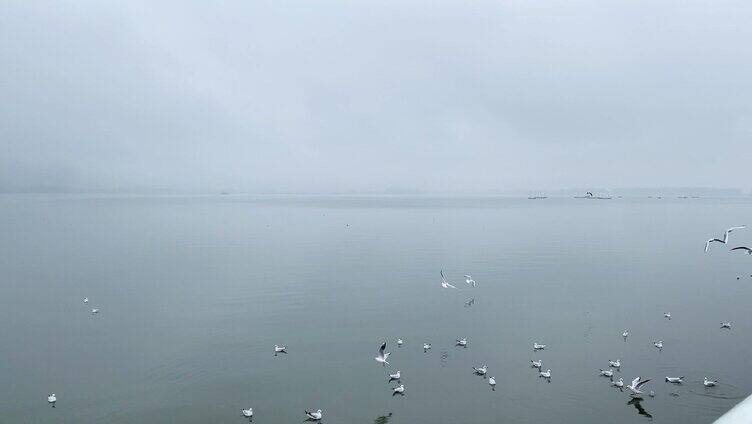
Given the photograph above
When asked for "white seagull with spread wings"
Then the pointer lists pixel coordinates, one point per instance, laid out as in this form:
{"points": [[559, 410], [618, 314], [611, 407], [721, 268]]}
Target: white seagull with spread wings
{"points": [[382, 356], [725, 237], [444, 283]]}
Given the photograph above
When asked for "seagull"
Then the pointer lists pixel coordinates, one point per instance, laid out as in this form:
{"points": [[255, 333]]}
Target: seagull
{"points": [[445, 283], [279, 349], [314, 416], [726, 325], [537, 346], [652, 393], [52, 399], [545, 374], [607, 373], [635, 387], [86, 300], [462, 342], [616, 363], [426, 346], [95, 311], [382, 357], [470, 303], [619, 384], [492, 383], [744, 248], [399, 342], [395, 376], [248, 413], [675, 380], [399, 390], [481, 370], [624, 334], [667, 315], [725, 237], [536, 364], [708, 383], [658, 344], [469, 280]]}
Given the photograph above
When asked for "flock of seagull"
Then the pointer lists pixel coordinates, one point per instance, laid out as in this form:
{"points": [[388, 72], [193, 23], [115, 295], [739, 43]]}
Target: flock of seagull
{"points": [[635, 387]]}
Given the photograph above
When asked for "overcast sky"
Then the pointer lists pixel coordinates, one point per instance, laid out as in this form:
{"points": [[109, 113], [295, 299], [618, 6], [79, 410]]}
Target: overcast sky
{"points": [[330, 96]]}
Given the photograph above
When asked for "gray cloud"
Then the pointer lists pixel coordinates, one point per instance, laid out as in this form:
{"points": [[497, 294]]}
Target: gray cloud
{"points": [[323, 96]]}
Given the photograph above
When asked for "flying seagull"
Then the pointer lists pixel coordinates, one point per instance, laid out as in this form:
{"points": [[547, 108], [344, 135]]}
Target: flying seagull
{"points": [[444, 283], [744, 248], [469, 280], [382, 356], [635, 387], [725, 237], [313, 416]]}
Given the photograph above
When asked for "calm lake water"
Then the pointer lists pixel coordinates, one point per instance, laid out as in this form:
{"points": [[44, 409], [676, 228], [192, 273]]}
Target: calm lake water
{"points": [[195, 292]]}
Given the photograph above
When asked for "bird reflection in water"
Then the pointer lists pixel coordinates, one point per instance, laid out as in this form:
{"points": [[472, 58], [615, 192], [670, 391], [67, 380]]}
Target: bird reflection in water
{"points": [[637, 403], [383, 419]]}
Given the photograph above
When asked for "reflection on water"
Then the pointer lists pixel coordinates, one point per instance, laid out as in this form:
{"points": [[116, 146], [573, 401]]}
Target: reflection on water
{"points": [[637, 403], [383, 419]]}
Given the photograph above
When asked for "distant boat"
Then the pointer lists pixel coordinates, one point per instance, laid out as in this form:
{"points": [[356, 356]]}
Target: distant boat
{"points": [[590, 195], [536, 197]]}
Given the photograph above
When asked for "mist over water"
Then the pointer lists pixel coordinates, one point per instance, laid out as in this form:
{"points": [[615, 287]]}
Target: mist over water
{"points": [[196, 290]]}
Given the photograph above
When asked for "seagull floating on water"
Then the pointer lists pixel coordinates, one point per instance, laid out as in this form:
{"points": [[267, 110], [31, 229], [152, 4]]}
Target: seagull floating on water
{"points": [[635, 387], [52, 399], [395, 376], [619, 384], [95, 311], [462, 342], [545, 374], [616, 363], [445, 283], [675, 380], [624, 334], [726, 325], [382, 356], [469, 281], [492, 383], [725, 237], [399, 342], [708, 383], [248, 413], [426, 346], [481, 370], [607, 373], [652, 393], [667, 315], [744, 248], [279, 349], [314, 416], [658, 344], [537, 346], [536, 364], [86, 300], [399, 390]]}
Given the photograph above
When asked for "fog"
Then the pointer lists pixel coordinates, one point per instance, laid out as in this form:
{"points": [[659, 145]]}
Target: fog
{"points": [[324, 96]]}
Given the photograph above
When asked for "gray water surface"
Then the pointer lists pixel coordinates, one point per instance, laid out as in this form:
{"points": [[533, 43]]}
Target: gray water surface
{"points": [[195, 292]]}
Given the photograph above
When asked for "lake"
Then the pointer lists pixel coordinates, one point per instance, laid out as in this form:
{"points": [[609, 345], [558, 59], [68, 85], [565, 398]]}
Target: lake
{"points": [[195, 291]]}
